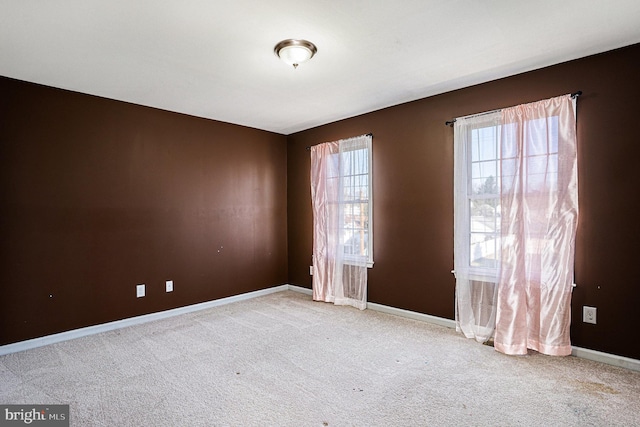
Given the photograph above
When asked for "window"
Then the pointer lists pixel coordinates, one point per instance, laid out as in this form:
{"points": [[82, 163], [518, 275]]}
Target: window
{"points": [[483, 197], [350, 173], [492, 163], [342, 220], [515, 216], [477, 197]]}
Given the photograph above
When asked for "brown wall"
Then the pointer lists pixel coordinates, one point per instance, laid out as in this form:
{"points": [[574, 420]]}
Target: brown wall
{"points": [[97, 196], [413, 193]]}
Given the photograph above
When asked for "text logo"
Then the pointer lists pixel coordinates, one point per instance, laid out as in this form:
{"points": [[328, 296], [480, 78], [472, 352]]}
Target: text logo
{"points": [[34, 415]]}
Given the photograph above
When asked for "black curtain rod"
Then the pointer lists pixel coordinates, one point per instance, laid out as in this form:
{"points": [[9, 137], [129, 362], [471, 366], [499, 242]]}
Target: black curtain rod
{"points": [[366, 134], [451, 122]]}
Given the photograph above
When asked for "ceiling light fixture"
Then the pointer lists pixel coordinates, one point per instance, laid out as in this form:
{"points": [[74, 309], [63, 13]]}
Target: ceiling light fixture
{"points": [[295, 52]]}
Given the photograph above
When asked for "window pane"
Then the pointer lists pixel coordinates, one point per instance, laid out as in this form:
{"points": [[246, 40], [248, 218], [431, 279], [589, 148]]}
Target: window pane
{"points": [[485, 231], [333, 166], [485, 186], [536, 137], [356, 243], [484, 143], [355, 235], [541, 136], [489, 169], [355, 202], [498, 166], [553, 133], [484, 169], [484, 221], [484, 250], [485, 172], [485, 215], [542, 173], [508, 148]]}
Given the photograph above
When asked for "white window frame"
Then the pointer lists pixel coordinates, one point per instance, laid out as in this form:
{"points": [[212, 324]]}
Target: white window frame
{"points": [[476, 272], [480, 272], [355, 144]]}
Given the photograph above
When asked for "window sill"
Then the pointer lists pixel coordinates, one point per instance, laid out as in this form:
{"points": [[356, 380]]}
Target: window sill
{"points": [[349, 262]]}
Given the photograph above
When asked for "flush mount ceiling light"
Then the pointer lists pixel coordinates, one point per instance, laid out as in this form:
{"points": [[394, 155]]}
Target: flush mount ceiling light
{"points": [[295, 52]]}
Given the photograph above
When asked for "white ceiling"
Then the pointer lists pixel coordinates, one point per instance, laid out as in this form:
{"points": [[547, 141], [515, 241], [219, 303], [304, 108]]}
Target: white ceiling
{"points": [[215, 59]]}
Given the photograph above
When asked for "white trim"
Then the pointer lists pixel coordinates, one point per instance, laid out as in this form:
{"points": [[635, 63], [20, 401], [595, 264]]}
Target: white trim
{"points": [[584, 353], [110, 326], [609, 359], [412, 315]]}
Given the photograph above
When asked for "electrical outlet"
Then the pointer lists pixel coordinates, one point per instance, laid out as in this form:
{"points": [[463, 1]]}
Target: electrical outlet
{"points": [[140, 291], [169, 285], [589, 314], [311, 270]]}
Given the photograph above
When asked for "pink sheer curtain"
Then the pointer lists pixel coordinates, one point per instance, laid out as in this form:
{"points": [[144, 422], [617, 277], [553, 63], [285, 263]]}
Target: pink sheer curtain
{"points": [[340, 274], [324, 220], [539, 214]]}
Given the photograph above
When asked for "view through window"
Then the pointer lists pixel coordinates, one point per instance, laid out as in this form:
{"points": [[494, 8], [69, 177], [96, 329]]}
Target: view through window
{"points": [[492, 165], [351, 172]]}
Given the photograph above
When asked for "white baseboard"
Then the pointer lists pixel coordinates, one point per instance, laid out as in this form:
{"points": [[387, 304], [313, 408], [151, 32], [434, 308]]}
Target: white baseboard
{"points": [[598, 356], [412, 315], [393, 310], [609, 359], [584, 353], [110, 326]]}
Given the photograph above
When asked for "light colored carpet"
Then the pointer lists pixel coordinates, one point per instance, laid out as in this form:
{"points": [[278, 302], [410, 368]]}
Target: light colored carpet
{"points": [[283, 360]]}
